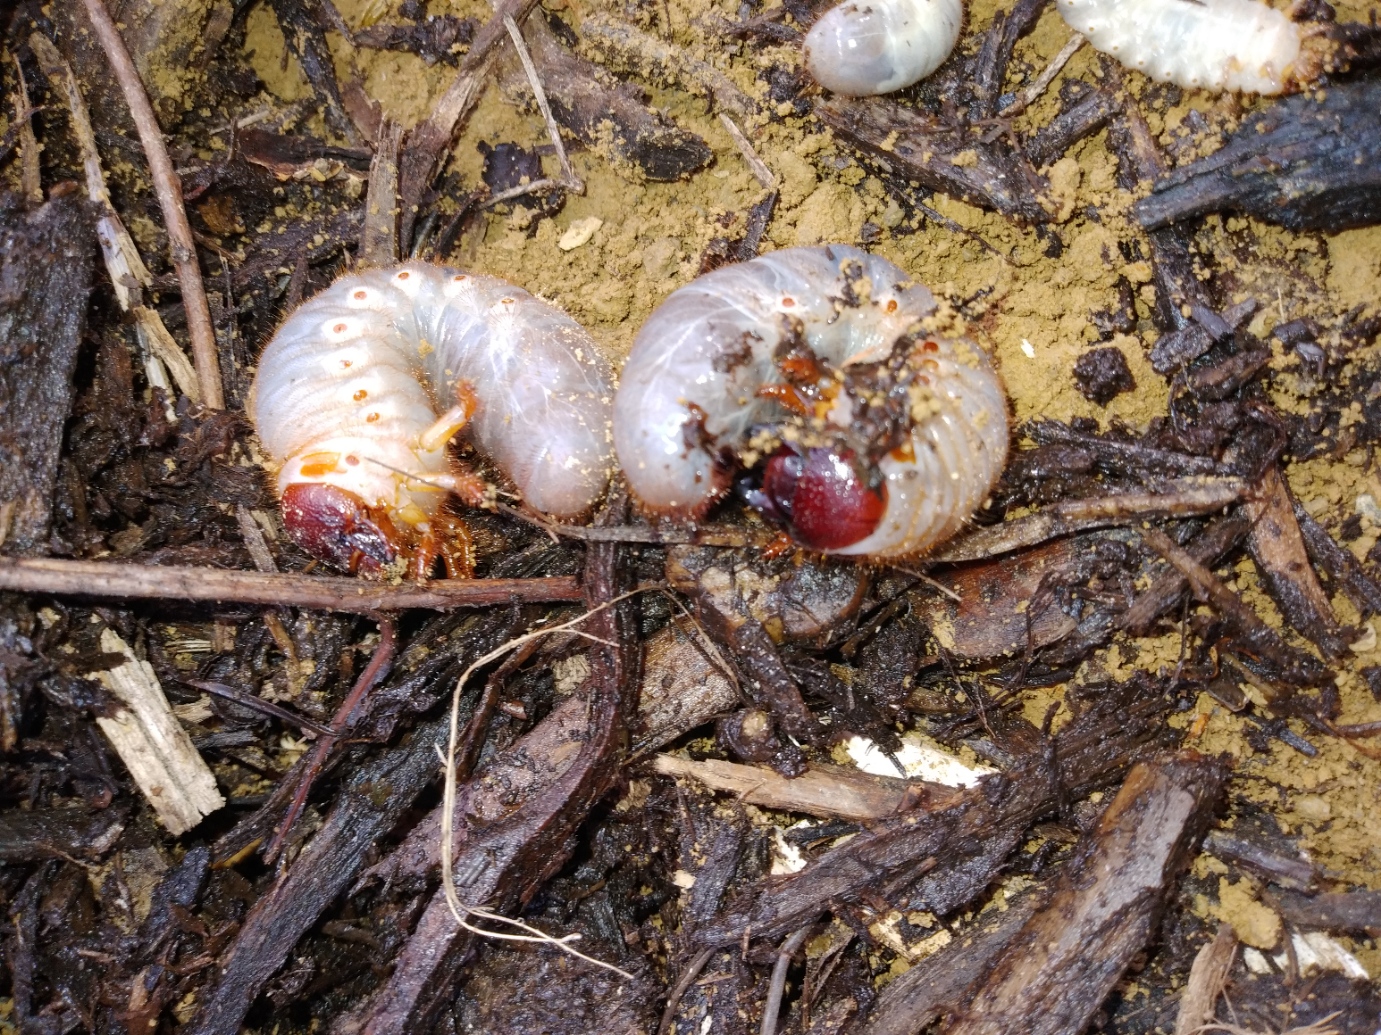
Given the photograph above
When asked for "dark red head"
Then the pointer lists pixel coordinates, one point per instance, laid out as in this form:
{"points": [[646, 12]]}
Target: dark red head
{"points": [[338, 527], [820, 496]]}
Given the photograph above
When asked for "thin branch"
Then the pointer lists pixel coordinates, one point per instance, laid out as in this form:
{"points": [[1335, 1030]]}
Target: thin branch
{"points": [[319, 592], [30, 177], [573, 182], [1057, 63], [169, 190], [745, 147]]}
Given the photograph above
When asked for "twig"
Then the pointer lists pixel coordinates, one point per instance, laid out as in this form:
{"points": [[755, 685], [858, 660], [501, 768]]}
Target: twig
{"points": [[429, 142], [258, 704], [691, 972], [1029, 95], [778, 986], [28, 145], [745, 148], [169, 190], [573, 182], [320, 592], [341, 722]]}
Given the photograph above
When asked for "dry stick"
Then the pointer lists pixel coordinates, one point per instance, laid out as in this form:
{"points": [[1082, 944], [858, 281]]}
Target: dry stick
{"points": [[30, 178], [1027, 96], [745, 148], [319, 592], [1206, 979], [573, 182], [169, 190]]}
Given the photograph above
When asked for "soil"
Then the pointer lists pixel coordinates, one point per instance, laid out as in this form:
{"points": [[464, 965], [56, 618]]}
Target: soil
{"points": [[1030, 303]]}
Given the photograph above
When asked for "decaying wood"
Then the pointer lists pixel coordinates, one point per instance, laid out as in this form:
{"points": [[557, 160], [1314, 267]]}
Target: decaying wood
{"points": [[912, 145], [153, 745], [939, 982], [1305, 162], [1179, 293], [1343, 569], [1056, 972], [832, 792], [1183, 497], [1087, 114], [726, 616], [612, 120], [941, 853], [681, 688], [1277, 546], [100, 579], [627, 49], [1358, 911], [685, 683], [28, 837], [502, 863], [430, 141], [1252, 636], [1199, 1001], [379, 236], [364, 810], [46, 258], [1206, 549]]}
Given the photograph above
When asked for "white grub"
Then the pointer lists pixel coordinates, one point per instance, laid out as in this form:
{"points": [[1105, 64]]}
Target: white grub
{"points": [[1221, 45], [865, 47], [691, 390], [356, 378]]}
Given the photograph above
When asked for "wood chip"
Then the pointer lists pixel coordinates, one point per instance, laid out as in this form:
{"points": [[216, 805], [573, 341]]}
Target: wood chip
{"points": [[153, 745]]}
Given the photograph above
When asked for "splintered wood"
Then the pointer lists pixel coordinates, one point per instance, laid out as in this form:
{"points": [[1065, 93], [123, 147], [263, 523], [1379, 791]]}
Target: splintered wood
{"points": [[1062, 964], [153, 745]]}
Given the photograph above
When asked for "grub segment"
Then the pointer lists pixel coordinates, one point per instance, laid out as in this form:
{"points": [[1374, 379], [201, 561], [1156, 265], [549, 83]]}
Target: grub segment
{"points": [[362, 387], [1241, 45], [863, 48], [873, 435]]}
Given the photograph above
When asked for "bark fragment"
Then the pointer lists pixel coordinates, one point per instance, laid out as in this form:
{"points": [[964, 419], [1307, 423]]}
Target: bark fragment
{"points": [[1059, 968]]}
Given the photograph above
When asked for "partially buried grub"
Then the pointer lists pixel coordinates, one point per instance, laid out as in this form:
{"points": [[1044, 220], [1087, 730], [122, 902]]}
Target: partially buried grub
{"points": [[1192, 562]]}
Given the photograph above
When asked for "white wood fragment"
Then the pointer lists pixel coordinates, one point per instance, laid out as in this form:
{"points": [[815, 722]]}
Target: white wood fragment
{"points": [[920, 757], [153, 745], [580, 231]]}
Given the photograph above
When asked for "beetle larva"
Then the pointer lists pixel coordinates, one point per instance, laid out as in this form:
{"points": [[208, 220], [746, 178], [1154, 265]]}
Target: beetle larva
{"points": [[1215, 44], [362, 387], [864, 47], [873, 436]]}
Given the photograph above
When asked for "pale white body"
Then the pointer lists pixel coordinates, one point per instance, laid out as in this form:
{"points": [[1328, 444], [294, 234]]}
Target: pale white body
{"points": [[355, 376], [700, 359], [1214, 44], [864, 47]]}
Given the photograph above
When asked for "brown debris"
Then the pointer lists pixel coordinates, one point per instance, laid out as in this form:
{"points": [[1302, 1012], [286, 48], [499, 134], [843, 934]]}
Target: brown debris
{"points": [[910, 145], [1207, 976], [612, 120], [828, 791], [1278, 548], [1056, 972], [47, 255]]}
